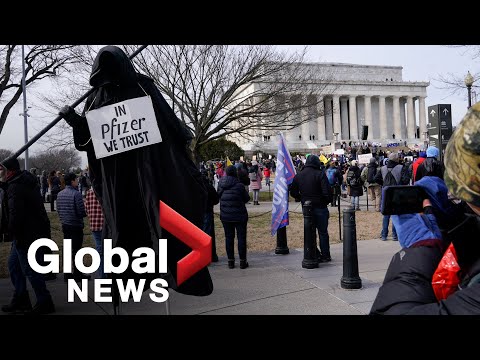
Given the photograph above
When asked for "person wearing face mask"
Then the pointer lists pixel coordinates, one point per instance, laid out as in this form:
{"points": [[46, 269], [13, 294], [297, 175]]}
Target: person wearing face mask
{"points": [[424, 237]]}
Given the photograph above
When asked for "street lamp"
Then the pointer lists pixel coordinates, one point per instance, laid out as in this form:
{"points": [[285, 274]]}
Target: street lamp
{"points": [[468, 83], [25, 114]]}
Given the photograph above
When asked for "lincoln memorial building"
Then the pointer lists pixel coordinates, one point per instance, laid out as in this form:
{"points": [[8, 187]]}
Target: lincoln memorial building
{"points": [[357, 97]]}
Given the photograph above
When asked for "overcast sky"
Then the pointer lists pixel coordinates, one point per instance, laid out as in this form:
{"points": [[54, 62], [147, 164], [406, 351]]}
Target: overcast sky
{"points": [[419, 62]]}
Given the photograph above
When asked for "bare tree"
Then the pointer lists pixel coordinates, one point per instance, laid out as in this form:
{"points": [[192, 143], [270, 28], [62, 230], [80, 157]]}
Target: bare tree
{"points": [[41, 61], [56, 159], [219, 90], [5, 153], [455, 83]]}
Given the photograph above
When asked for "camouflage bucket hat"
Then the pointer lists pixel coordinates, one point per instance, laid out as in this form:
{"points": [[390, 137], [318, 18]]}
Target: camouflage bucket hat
{"points": [[462, 158]]}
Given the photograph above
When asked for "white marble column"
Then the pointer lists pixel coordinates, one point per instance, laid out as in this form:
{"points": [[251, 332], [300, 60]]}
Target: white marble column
{"points": [[397, 125], [352, 114], [344, 118], [382, 118], [328, 118], [304, 116], [290, 133], [321, 120], [368, 116], [403, 116], [337, 124], [415, 116], [411, 123], [421, 116]]}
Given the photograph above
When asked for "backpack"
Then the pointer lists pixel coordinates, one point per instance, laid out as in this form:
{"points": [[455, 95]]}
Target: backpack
{"points": [[389, 178], [252, 176], [331, 176], [352, 179], [372, 172]]}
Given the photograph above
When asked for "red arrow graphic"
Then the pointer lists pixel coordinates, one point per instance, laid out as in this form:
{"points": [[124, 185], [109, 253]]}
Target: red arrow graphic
{"points": [[191, 235]]}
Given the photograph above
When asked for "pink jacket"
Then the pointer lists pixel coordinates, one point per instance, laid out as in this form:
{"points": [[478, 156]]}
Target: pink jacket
{"points": [[257, 185]]}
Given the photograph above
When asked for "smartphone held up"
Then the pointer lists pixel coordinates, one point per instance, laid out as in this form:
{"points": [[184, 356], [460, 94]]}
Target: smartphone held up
{"points": [[402, 199]]}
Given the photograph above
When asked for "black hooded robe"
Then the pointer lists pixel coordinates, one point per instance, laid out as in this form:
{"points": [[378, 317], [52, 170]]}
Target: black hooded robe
{"points": [[130, 185]]}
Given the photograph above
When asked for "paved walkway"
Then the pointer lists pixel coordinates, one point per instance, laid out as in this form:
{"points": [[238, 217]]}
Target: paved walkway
{"points": [[273, 284]]}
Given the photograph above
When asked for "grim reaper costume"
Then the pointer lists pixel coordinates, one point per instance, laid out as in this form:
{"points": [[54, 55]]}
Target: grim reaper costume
{"points": [[129, 185]]}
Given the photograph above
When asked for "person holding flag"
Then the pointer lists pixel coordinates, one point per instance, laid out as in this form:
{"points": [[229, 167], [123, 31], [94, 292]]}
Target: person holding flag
{"points": [[285, 172], [312, 184]]}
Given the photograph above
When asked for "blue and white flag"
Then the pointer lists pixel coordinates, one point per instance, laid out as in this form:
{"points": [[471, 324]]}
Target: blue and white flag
{"points": [[283, 177]]}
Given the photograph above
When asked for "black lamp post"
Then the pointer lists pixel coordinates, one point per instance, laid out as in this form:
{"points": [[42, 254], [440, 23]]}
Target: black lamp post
{"points": [[468, 83]]}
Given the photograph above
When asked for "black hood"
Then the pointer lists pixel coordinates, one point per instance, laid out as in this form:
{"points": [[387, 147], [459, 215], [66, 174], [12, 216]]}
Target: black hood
{"points": [[313, 161], [24, 177], [112, 65]]}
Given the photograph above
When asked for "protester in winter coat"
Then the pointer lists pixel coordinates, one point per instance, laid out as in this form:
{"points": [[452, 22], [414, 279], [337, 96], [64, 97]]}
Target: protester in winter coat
{"points": [[431, 166], [421, 158], [27, 222], [368, 178], [335, 179], [234, 215], [393, 173], [355, 184], [54, 185], [412, 284], [312, 184], [266, 173], [255, 175], [71, 211]]}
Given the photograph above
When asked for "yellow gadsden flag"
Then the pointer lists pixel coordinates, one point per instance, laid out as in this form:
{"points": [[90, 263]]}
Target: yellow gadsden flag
{"points": [[229, 162]]}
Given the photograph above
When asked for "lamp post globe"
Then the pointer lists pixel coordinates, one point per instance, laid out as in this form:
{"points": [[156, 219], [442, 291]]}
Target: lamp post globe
{"points": [[468, 83]]}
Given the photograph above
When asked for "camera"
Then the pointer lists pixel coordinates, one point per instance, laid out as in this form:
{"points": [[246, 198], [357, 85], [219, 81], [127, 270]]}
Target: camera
{"points": [[402, 199]]}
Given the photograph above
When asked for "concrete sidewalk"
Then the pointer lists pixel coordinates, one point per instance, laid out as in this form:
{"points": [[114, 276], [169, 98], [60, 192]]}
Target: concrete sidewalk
{"points": [[273, 284]]}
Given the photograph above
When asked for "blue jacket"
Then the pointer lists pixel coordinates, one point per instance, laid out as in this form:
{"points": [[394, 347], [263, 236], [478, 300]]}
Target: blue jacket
{"points": [[70, 207]]}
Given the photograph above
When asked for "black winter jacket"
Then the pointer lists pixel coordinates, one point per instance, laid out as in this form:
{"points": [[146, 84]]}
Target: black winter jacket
{"points": [[430, 167], [355, 190], [407, 287], [27, 219], [233, 197], [312, 184]]}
